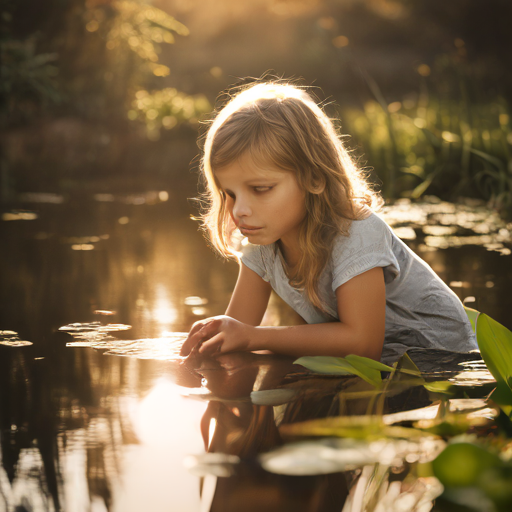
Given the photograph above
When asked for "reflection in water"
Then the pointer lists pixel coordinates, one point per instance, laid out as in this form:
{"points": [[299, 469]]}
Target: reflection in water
{"points": [[252, 402], [19, 215], [83, 430], [11, 339], [442, 225], [93, 334]]}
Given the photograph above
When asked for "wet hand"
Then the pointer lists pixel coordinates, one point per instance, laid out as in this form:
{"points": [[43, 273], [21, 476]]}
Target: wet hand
{"points": [[217, 335]]}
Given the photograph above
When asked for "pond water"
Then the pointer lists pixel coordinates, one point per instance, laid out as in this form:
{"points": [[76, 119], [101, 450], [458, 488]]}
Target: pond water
{"points": [[98, 411]]}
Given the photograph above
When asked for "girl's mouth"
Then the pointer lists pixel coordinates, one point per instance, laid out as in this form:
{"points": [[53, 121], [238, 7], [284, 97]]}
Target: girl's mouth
{"points": [[248, 230]]}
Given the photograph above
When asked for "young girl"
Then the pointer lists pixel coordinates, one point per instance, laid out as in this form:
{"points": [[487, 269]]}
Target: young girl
{"points": [[277, 172]]}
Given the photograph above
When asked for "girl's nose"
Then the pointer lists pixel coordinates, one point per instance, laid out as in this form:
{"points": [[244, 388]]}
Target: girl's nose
{"points": [[241, 208]]}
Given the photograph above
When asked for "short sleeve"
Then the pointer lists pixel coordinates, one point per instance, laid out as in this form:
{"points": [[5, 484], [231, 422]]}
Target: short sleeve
{"points": [[254, 258], [369, 245]]}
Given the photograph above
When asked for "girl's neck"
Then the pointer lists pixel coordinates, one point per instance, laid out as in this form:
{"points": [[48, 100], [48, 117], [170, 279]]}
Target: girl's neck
{"points": [[290, 254]]}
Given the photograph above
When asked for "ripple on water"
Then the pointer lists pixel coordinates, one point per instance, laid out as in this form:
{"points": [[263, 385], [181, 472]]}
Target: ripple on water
{"points": [[92, 334], [163, 349], [98, 336], [19, 215], [443, 224], [11, 339]]}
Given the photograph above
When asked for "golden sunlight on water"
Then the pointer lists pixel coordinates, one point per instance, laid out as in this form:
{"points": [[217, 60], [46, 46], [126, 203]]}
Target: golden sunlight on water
{"points": [[167, 426], [164, 313]]}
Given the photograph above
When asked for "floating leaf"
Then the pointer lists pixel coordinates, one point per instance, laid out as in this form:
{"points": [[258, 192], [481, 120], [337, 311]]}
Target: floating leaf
{"points": [[368, 369]]}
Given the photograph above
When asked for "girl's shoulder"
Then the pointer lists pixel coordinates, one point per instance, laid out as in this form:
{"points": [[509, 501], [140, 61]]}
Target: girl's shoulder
{"points": [[259, 258], [363, 234], [369, 244]]}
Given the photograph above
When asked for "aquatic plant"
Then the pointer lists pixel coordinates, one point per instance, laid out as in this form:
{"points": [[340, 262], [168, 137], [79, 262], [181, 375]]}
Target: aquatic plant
{"points": [[470, 468], [437, 144]]}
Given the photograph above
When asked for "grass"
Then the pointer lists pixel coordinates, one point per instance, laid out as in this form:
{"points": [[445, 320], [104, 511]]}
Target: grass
{"points": [[449, 148]]}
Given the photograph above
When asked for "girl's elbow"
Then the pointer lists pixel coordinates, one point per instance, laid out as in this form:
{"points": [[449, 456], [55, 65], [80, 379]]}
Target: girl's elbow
{"points": [[372, 346]]}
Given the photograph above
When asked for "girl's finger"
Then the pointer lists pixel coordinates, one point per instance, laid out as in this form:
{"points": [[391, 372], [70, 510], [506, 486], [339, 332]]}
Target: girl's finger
{"points": [[196, 335], [213, 345], [190, 343]]}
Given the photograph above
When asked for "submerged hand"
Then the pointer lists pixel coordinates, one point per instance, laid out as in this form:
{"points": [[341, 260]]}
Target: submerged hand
{"points": [[218, 334]]}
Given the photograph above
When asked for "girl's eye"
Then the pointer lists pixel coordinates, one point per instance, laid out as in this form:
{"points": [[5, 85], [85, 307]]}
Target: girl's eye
{"points": [[262, 189]]}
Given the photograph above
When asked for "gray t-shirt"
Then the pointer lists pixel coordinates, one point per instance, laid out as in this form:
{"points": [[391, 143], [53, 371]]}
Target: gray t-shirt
{"points": [[421, 311]]}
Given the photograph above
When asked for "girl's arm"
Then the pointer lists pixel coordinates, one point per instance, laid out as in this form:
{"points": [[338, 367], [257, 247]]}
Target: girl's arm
{"points": [[361, 309], [250, 297]]}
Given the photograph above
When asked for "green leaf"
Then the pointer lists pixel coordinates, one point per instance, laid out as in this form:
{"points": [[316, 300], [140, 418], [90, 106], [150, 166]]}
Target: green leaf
{"points": [[324, 364], [495, 342], [406, 365], [502, 395], [364, 367], [357, 427], [473, 315], [360, 361], [368, 369], [439, 386]]}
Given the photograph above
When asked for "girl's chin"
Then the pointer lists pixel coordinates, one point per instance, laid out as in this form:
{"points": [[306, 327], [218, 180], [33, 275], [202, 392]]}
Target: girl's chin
{"points": [[260, 240]]}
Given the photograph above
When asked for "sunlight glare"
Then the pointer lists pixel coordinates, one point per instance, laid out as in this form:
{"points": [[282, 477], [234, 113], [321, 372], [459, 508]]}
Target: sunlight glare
{"points": [[164, 312], [158, 418]]}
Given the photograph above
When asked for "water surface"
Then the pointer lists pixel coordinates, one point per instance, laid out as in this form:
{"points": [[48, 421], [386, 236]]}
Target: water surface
{"points": [[128, 425]]}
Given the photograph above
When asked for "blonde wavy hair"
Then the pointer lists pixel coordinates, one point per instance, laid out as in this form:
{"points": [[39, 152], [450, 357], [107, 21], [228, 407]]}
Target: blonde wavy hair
{"points": [[280, 124]]}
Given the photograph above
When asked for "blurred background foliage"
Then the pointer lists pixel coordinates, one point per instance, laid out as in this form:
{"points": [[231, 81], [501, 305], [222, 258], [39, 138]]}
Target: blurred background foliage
{"points": [[110, 94]]}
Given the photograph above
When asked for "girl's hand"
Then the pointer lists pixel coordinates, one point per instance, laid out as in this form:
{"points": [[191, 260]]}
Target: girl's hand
{"points": [[218, 334]]}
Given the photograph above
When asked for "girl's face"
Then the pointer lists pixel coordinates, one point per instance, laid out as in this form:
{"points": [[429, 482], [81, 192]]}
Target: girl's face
{"points": [[265, 202]]}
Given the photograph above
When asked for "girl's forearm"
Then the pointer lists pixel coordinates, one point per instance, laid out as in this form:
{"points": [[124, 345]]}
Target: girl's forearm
{"points": [[327, 339]]}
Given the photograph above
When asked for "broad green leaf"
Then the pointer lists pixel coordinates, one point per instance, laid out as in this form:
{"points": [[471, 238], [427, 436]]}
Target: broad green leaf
{"points": [[371, 363], [324, 364], [340, 366], [495, 342], [473, 315], [364, 367]]}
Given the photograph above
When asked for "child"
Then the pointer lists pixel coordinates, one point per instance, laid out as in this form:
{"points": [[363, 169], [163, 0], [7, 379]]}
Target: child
{"points": [[276, 170]]}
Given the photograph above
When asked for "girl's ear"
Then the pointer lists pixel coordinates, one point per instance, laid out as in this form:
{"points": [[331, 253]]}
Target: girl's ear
{"points": [[317, 185]]}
